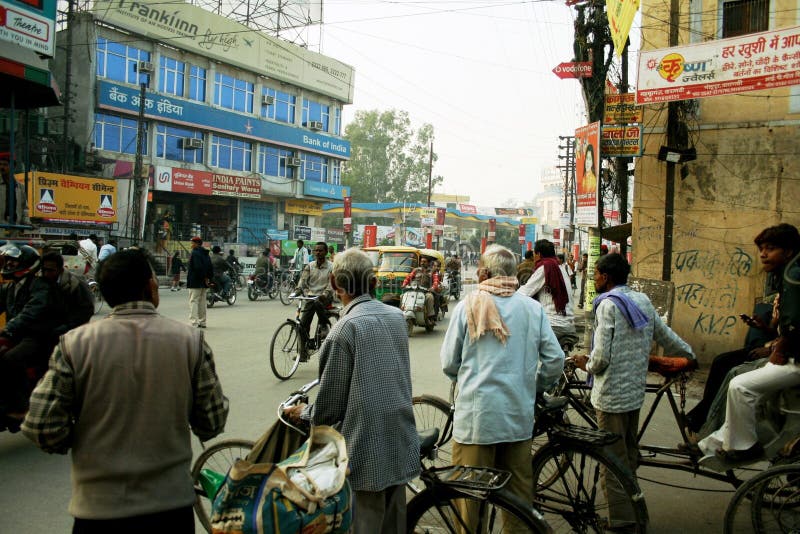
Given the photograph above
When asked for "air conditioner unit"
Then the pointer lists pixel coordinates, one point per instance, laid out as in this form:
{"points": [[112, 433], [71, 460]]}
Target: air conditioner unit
{"points": [[191, 142], [294, 162], [145, 67], [267, 100], [315, 125]]}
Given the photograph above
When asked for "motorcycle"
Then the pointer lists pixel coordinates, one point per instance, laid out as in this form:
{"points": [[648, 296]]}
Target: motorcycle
{"points": [[262, 284], [216, 293], [454, 285], [412, 304]]}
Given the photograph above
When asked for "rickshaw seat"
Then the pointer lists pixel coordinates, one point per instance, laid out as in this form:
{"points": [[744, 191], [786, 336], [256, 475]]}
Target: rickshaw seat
{"points": [[670, 366]]}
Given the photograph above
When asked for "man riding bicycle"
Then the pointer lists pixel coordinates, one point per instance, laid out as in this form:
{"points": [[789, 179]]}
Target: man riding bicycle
{"points": [[315, 280], [221, 267]]}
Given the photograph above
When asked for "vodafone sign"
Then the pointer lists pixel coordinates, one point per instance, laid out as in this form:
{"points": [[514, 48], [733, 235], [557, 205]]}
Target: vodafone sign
{"points": [[573, 69]]}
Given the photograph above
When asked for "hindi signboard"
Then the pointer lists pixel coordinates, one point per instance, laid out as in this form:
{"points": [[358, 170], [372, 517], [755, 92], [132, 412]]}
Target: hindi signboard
{"points": [[719, 67], [622, 109], [303, 207], [61, 197], [623, 141]]}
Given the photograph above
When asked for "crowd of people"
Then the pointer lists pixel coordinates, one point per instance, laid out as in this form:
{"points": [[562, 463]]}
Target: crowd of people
{"points": [[505, 343]]}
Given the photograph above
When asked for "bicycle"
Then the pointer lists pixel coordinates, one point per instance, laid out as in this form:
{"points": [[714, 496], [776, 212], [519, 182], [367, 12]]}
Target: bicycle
{"points": [[288, 279], [290, 344], [774, 502], [566, 469]]}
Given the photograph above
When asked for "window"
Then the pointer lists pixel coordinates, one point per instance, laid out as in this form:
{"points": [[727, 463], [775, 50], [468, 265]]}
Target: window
{"points": [[336, 172], [272, 161], [197, 83], [171, 75], [314, 111], [233, 154], [741, 17], [170, 144], [337, 121], [282, 108], [232, 93], [116, 134], [315, 168], [118, 62]]}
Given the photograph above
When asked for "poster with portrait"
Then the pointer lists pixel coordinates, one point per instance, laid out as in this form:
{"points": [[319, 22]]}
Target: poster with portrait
{"points": [[587, 170]]}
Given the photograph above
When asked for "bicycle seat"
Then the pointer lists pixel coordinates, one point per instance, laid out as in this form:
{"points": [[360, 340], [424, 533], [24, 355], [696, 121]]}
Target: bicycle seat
{"points": [[669, 366], [427, 440]]}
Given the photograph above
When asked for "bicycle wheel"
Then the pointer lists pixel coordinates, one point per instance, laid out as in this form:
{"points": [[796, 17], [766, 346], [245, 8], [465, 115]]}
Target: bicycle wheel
{"points": [[768, 502], [569, 488], [441, 509], [218, 458], [286, 288], [433, 412], [240, 282], [284, 350]]}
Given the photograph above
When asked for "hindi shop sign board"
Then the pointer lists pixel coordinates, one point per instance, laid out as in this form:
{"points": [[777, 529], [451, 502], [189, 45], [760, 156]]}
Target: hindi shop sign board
{"points": [[30, 24], [200, 31], [61, 197], [622, 109], [621, 141], [587, 169], [751, 62], [303, 207]]}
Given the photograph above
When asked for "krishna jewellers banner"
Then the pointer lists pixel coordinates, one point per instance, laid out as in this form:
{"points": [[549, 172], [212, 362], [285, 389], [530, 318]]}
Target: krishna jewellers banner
{"points": [[725, 66]]}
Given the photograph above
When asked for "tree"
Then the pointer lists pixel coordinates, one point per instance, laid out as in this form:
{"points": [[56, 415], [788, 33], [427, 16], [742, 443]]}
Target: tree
{"points": [[388, 159]]}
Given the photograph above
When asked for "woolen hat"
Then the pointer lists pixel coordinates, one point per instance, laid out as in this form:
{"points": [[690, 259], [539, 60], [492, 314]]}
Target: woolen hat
{"points": [[197, 239]]}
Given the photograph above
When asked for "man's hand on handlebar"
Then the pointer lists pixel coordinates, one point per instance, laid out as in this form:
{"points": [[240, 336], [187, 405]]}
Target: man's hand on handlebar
{"points": [[579, 360]]}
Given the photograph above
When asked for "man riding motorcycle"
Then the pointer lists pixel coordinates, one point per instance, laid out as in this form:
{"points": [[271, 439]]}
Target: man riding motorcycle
{"points": [[221, 267], [33, 310], [264, 265], [315, 280], [453, 268], [426, 279]]}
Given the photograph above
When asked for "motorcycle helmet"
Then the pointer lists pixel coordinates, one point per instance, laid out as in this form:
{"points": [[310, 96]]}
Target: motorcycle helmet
{"points": [[19, 261]]}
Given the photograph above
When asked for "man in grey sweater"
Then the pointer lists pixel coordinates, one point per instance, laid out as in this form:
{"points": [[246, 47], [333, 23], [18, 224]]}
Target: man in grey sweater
{"points": [[123, 393]]}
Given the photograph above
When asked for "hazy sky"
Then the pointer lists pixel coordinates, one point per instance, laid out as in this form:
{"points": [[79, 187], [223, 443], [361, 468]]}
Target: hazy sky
{"points": [[479, 72]]}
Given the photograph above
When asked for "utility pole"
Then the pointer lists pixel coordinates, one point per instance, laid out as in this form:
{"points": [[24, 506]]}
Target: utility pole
{"points": [[141, 69], [66, 161], [672, 139], [622, 163], [569, 179]]}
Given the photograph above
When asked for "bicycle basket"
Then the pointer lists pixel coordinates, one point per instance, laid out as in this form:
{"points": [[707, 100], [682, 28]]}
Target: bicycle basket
{"points": [[469, 478]]}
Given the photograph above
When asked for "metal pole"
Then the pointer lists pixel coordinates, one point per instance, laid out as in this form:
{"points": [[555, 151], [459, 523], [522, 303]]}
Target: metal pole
{"points": [[11, 201], [672, 123], [622, 163], [430, 173], [66, 161]]}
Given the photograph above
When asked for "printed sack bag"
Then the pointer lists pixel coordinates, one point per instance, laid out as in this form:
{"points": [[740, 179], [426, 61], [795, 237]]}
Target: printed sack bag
{"points": [[306, 493]]}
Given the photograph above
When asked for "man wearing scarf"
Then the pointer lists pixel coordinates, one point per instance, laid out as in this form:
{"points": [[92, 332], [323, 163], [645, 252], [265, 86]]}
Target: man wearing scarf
{"points": [[548, 284], [499, 349], [626, 324]]}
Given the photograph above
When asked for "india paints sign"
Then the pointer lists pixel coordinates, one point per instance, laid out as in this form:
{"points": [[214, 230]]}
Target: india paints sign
{"points": [[195, 182]]}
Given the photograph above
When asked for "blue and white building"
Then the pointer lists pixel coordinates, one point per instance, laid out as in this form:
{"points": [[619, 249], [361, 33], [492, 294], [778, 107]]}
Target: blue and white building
{"points": [[243, 130]]}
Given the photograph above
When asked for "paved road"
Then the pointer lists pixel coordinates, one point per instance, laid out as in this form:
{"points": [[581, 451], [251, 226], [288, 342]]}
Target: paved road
{"points": [[36, 485]]}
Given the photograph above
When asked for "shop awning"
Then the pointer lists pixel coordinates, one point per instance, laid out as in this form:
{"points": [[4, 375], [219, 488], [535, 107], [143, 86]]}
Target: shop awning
{"points": [[25, 77]]}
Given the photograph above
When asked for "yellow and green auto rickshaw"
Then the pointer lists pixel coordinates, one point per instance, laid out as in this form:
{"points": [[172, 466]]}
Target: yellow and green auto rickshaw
{"points": [[394, 264]]}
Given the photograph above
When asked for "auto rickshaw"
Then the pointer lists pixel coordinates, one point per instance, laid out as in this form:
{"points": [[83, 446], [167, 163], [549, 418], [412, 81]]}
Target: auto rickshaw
{"points": [[394, 264]]}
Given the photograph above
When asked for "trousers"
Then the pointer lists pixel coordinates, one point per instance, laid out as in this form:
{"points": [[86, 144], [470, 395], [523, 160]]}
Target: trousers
{"points": [[745, 393], [625, 449], [197, 306], [380, 512]]}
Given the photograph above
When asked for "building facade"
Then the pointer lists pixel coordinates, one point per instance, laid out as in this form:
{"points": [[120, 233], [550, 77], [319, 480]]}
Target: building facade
{"points": [[242, 132], [744, 177]]}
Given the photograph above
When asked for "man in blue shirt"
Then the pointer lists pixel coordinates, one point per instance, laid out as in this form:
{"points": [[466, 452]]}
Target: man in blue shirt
{"points": [[499, 349]]}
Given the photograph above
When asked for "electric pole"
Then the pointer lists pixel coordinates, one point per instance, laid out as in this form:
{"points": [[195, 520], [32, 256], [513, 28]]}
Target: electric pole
{"points": [[568, 155], [672, 140], [145, 69]]}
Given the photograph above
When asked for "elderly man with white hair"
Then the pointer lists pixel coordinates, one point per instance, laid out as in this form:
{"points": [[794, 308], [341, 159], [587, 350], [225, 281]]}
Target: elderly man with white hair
{"points": [[365, 385], [499, 349]]}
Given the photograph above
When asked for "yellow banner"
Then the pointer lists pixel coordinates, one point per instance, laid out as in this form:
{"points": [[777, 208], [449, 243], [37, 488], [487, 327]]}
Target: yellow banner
{"points": [[72, 198], [620, 19], [529, 220], [303, 207]]}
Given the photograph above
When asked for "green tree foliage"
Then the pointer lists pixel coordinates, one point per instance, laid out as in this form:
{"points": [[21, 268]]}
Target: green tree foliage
{"points": [[388, 159]]}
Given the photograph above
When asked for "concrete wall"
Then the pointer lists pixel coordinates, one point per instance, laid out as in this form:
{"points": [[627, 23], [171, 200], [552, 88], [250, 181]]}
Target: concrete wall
{"points": [[746, 177]]}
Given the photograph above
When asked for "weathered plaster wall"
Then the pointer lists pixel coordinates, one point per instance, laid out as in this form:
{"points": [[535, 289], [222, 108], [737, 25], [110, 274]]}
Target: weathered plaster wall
{"points": [[744, 180], [746, 177]]}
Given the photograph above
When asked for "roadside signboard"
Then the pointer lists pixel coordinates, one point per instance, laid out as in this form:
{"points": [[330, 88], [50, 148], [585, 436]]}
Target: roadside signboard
{"points": [[30, 24], [719, 67], [624, 141], [573, 69], [587, 169], [622, 109]]}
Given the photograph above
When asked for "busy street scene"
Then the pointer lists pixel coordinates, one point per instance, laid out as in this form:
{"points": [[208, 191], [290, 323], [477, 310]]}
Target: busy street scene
{"points": [[279, 266]]}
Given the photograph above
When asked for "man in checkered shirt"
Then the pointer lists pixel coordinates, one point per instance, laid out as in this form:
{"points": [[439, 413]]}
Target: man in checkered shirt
{"points": [[365, 388]]}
